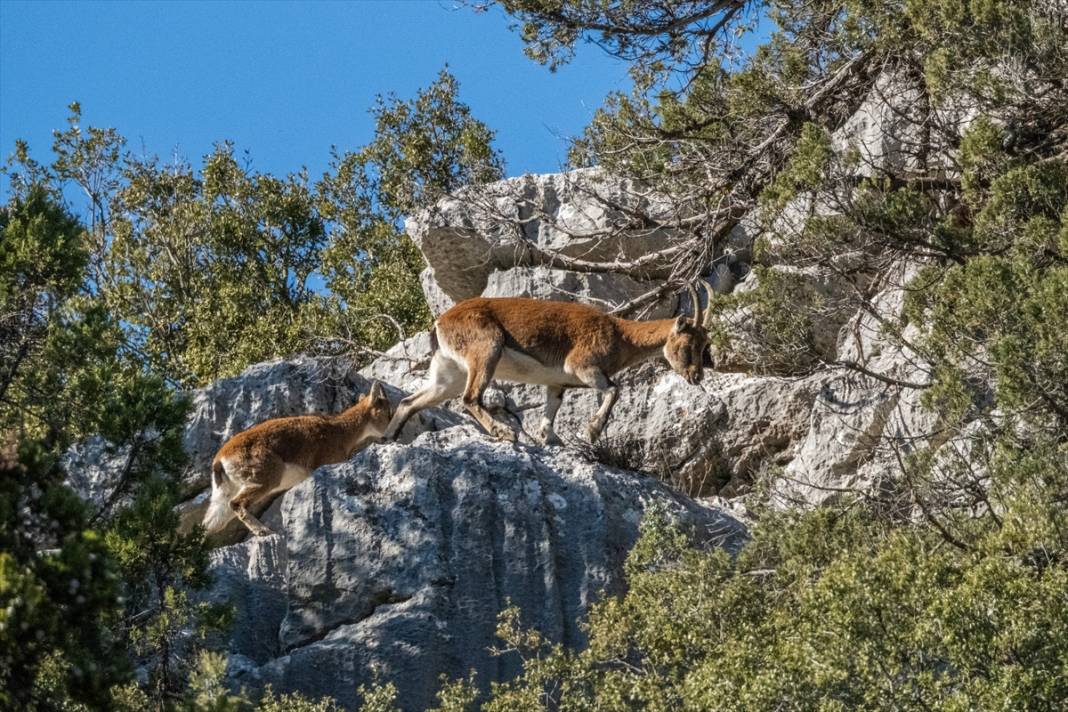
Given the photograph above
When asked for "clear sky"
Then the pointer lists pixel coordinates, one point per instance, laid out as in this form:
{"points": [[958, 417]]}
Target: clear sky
{"points": [[283, 81]]}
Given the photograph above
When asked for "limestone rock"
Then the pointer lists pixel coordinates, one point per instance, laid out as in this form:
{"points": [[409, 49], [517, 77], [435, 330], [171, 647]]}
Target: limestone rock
{"points": [[584, 214], [250, 577], [885, 129], [861, 425], [404, 365], [402, 558], [605, 291]]}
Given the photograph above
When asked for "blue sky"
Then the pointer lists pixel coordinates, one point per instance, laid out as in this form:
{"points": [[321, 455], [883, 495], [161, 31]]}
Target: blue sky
{"points": [[283, 81]]}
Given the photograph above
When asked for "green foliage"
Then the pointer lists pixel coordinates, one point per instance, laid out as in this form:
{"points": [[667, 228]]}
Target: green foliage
{"points": [[205, 271], [60, 592], [778, 319], [41, 256], [652, 35], [806, 170], [300, 703], [428, 147], [423, 149], [87, 589], [211, 272], [207, 690], [457, 696], [825, 610], [67, 372], [164, 626]]}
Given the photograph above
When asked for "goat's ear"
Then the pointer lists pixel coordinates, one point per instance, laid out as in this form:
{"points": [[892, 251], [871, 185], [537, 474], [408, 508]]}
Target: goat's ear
{"points": [[680, 323], [377, 393]]}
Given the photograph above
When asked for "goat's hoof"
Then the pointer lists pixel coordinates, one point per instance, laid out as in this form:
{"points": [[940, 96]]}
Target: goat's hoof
{"points": [[263, 532], [548, 437], [504, 433]]}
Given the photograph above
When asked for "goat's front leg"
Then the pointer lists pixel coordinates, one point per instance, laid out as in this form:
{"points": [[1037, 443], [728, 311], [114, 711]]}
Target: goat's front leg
{"points": [[446, 380], [554, 396], [596, 379]]}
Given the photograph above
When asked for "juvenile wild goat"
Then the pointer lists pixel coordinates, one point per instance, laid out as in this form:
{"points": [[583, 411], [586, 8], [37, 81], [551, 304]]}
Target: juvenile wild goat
{"points": [[277, 454], [556, 344]]}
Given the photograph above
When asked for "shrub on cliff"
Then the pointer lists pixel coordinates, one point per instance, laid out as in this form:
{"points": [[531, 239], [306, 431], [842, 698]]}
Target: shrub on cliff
{"points": [[833, 609], [88, 590]]}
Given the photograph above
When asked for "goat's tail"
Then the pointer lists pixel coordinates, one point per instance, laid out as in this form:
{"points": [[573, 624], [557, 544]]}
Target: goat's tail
{"points": [[222, 490]]}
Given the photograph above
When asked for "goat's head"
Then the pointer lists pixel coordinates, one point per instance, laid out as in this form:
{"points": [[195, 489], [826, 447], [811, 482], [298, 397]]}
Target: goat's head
{"points": [[686, 345], [379, 412]]}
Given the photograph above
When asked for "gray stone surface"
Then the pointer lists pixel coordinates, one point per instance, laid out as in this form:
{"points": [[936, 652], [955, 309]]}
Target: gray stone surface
{"points": [[583, 214], [401, 559], [250, 577], [605, 291], [860, 426], [885, 129], [702, 438]]}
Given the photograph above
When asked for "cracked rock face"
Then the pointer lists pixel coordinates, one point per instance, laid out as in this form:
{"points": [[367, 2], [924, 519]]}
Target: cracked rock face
{"points": [[402, 558], [274, 389], [478, 241], [861, 427], [701, 438]]}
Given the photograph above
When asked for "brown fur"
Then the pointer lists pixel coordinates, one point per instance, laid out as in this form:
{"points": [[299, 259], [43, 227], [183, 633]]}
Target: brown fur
{"points": [[258, 460], [556, 344], [557, 333]]}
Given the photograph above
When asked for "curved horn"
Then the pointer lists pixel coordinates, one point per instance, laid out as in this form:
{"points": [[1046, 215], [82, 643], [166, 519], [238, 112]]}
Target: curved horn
{"points": [[706, 323], [695, 304]]}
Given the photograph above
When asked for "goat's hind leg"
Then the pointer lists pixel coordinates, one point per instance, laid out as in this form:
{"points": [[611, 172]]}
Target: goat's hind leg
{"points": [[241, 503], [256, 486], [554, 396], [446, 380]]}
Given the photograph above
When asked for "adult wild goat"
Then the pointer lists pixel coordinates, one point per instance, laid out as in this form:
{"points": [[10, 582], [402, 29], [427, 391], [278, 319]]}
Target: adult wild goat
{"points": [[556, 344], [277, 454]]}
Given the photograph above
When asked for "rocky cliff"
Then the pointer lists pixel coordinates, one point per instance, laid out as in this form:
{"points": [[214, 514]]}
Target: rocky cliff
{"points": [[397, 563]]}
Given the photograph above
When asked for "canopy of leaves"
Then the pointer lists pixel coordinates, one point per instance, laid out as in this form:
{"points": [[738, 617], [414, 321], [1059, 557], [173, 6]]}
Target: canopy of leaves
{"points": [[87, 590], [207, 270], [827, 610]]}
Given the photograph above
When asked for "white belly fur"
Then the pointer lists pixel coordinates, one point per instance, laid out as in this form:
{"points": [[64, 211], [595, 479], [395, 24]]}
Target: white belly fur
{"points": [[292, 476], [517, 367]]}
